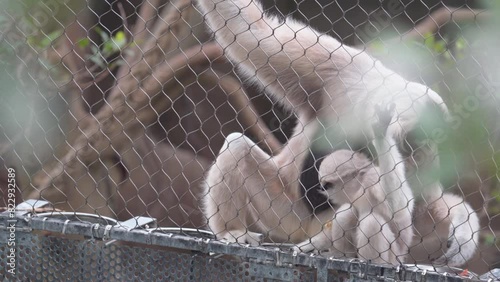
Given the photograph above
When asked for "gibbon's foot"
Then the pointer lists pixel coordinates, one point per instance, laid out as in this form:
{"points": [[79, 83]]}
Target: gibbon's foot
{"points": [[384, 117], [242, 237], [304, 248]]}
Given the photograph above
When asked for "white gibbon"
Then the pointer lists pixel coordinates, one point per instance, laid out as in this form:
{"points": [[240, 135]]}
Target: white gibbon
{"points": [[316, 76], [251, 196], [374, 221], [377, 200], [319, 79]]}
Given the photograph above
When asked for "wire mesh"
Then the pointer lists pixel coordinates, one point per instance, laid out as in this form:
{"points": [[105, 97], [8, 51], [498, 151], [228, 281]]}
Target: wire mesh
{"points": [[52, 259], [334, 139]]}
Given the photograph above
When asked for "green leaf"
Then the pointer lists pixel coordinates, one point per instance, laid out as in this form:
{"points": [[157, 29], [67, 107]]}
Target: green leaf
{"points": [[46, 41], [378, 47], [108, 48], [31, 41], [429, 40], [449, 57], [83, 43], [439, 47], [460, 44], [116, 44], [120, 39], [489, 240], [104, 36], [98, 61]]}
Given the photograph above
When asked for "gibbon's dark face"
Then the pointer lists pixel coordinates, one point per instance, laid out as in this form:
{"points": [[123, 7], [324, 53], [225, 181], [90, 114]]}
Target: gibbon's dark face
{"points": [[311, 190], [341, 174]]}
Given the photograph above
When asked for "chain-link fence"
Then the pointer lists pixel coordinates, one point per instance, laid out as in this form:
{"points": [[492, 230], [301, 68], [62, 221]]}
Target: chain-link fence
{"points": [[253, 140]]}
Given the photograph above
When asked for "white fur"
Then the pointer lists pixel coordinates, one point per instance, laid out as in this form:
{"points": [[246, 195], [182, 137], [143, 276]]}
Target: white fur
{"points": [[312, 74], [380, 199], [446, 221], [318, 78], [248, 192]]}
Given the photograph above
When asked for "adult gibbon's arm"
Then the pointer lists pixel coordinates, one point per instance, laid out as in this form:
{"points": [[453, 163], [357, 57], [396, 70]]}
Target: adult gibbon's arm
{"points": [[385, 216], [398, 197], [283, 55]]}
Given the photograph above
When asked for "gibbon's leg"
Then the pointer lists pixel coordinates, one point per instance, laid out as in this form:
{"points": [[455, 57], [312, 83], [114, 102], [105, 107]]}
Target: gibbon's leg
{"points": [[336, 238], [374, 239], [226, 201], [399, 200], [246, 189], [219, 203], [463, 232], [242, 237], [437, 209], [308, 72]]}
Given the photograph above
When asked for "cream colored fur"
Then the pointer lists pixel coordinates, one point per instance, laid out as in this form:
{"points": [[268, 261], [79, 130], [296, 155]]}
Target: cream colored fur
{"points": [[250, 192], [446, 232], [318, 78], [378, 199]]}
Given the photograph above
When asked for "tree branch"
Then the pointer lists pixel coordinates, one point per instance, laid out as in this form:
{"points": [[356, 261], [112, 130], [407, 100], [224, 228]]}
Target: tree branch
{"points": [[443, 16], [148, 13], [249, 118], [143, 90]]}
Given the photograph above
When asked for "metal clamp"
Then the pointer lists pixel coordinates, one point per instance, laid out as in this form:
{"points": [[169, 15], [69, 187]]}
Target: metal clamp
{"points": [[149, 241], [362, 268], [136, 222], [107, 230], [423, 275], [64, 226], [94, 231], [400, 273], [43, 223], [278, 257]]}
